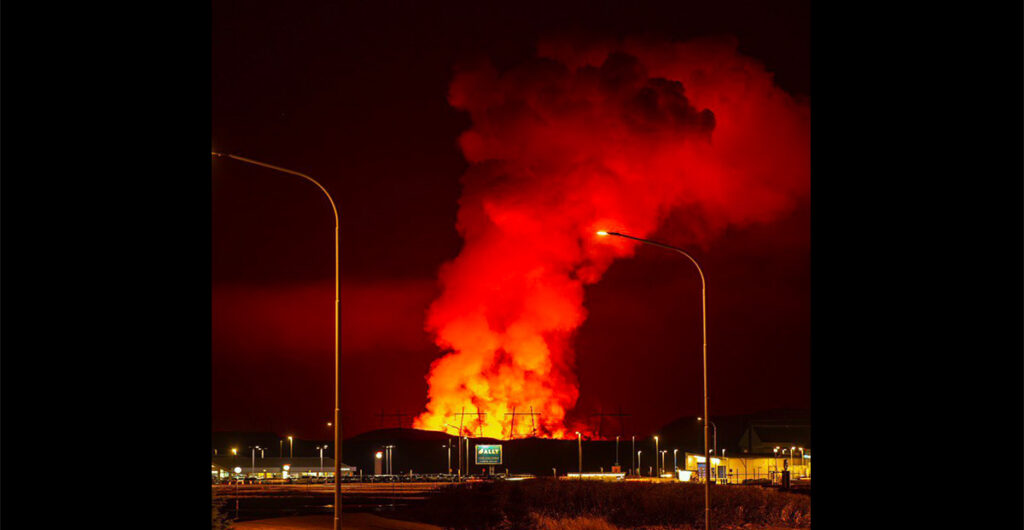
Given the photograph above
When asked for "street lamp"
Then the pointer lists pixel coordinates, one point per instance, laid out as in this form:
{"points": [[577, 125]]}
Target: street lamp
{"points": [[337, 303], [459, 450], [321, 448], [638, 468], [579, 441], [775, 456], [663, 451], [449, 446], [291, 447], [389, 454], [675, 461], [715, 435], [252, 468], [704, 332], [616, 451], [632, 463], [658, 474]]}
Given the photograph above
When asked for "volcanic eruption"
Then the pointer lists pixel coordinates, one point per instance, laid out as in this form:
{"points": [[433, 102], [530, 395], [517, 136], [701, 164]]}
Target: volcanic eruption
{"points": [[589, 136]]}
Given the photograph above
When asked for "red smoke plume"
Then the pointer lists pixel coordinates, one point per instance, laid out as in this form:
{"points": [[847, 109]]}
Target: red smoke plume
{"points": [[606, 136]]}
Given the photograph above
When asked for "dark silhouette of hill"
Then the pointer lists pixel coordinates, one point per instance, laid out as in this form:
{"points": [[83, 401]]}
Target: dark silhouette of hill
{"points": [[426, 451]]}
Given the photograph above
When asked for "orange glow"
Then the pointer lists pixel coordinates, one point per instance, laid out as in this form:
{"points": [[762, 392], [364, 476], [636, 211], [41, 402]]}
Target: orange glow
{"points": [[596, 138]]}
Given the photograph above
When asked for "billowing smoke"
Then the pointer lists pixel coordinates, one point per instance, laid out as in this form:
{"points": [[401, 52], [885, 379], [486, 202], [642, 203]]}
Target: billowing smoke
{"points": [[587, 137]]}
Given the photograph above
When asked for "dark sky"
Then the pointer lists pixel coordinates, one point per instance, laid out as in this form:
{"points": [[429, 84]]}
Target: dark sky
{"points": [[356, 95]]}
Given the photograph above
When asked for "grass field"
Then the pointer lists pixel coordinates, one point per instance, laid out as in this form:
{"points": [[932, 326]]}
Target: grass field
{"points": [[599, 505]]}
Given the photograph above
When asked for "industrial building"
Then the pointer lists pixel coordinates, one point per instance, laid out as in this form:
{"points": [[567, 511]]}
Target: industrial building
{"points": [[276, 467], [736, 469]]}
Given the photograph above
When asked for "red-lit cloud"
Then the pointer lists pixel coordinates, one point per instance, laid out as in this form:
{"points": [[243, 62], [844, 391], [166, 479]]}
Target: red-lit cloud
{"points": [[589, 136]]}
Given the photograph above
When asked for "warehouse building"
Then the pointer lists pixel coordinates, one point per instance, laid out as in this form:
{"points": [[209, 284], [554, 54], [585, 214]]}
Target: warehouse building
{"points": [[276, 467]]}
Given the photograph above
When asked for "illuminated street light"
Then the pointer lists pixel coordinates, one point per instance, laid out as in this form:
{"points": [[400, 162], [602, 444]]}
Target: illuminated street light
{"points": [[715, 436], [632, 463], [660, 471], [291, 447], [638, 468], [449, 446], [675, 462], [321, 448], [337, 302], [704, 332], [579, 441], [459, 450], [616, 450], [658, 474], [252, 469], [389, 461]]}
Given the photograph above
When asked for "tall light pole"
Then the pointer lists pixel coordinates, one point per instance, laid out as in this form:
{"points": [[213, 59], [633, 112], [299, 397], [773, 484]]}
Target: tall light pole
{"points": [[775, 457], [704, 332], [632, 458], [675, 460], [660, 471], [449, 446], [616, 451], [715, 435], [657, 471], [321, 448], [291, 447], [579, 442], [252, 467], [389, 461], [638, 468], [337, 303], [459, 449]]}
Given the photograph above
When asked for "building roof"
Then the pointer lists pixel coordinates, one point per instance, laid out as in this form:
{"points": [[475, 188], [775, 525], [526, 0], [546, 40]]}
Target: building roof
{"points": [[784, 434], [245, 462]]}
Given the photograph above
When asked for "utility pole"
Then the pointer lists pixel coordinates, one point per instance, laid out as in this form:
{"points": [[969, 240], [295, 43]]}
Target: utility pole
{"points": [[602, 414], [479, 416], [398, 415], [512, 422]]}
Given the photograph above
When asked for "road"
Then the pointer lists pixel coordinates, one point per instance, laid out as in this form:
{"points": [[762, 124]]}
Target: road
{"points": [[276, 500]]}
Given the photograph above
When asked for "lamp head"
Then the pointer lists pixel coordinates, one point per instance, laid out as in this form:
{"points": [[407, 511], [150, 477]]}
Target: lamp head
{"points": [[602, 233]]}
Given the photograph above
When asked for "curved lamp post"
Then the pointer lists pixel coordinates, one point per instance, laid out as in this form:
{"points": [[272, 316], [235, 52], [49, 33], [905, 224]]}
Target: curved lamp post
{"points": [[704, 331], [337, 296]]}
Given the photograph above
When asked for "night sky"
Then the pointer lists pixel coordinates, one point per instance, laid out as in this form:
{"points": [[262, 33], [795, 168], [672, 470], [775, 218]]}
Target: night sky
{"points": [[356, 96]]}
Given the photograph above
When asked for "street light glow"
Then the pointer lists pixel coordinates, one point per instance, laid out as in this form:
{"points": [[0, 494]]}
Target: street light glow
{"points": [[602, 233]]}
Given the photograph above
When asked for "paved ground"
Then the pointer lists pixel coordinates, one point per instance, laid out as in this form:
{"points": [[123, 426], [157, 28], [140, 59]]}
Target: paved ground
{"points": [[358, 521]]}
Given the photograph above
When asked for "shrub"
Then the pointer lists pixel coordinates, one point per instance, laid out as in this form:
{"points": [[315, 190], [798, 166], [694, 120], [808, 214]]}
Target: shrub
{"points": [[221, 521], [535, 503]]}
